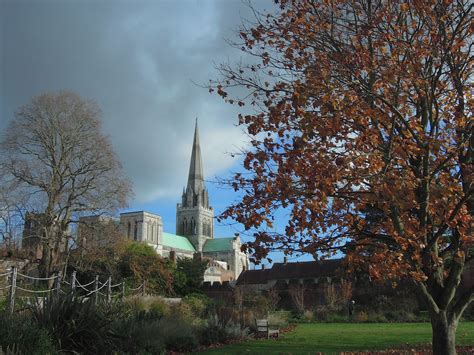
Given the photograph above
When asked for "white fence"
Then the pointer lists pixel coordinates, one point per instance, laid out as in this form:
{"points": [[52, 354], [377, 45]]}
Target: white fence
{"points": [[94, 288]]}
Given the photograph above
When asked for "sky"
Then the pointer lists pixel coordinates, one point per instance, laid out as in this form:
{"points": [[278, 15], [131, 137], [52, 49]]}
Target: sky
{"points": [[144, 62]]}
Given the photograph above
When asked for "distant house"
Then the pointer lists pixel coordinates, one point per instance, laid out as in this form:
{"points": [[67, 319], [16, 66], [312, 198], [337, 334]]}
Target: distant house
{"points": [[309, 272], [319, 281]]}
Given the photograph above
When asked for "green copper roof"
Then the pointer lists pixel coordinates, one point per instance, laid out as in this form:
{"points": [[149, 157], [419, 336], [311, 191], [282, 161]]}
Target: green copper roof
{"points": [[218, 244], [177, 242]]}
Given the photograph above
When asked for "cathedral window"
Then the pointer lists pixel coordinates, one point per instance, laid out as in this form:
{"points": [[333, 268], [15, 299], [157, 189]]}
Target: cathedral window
{"points": [[193, 226], [135, 231], [129, 229]]}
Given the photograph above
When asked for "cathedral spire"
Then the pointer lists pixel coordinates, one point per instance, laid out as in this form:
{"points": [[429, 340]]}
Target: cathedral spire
{"points": [[196, 176]]}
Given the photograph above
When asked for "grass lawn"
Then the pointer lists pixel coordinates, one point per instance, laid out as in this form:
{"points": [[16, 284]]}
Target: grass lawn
{"points": [[337, 337]]}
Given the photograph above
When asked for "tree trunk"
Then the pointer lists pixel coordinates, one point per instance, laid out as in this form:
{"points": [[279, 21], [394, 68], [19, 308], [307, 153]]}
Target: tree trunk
{"points": [[444, 334], [44, 267]]}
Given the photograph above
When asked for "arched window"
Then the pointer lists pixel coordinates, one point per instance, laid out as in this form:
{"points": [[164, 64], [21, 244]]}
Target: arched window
{"points": [[193, 226], [129, 230], [153, 232], [135, 231]]}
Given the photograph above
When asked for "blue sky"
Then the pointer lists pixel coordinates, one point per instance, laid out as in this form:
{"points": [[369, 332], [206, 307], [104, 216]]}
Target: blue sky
{"points": [[141, 61]]}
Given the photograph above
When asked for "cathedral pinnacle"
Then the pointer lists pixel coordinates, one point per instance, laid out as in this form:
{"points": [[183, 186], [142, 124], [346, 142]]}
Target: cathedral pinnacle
{"points": [[196, 176]]}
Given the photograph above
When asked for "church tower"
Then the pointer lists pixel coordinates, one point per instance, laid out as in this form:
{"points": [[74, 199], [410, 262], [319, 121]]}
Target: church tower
{"points": [[194, 216]]}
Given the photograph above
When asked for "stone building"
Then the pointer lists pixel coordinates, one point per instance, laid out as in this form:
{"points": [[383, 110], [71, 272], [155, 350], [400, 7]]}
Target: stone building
{"points": [[34, 236], [194, 228]]}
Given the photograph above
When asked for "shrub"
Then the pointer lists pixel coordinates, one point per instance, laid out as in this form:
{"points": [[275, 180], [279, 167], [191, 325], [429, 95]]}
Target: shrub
{"points": [[178, 335], [336, 318], [18, 334], [377, 318], [158, 309], [147, 307], [140, 336], [76, 324], [361, 317], [308, 316], [279, 319], [400, 316], [322, 313], [199, 304], [214, 332], [3, 303]]}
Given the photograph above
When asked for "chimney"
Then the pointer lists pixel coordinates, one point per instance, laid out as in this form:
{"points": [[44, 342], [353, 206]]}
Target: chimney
{"points": [[285, 260], [173, 256]]}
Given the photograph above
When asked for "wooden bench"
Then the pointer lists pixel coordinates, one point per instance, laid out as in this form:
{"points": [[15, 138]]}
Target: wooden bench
{"points": [[263, 329]]}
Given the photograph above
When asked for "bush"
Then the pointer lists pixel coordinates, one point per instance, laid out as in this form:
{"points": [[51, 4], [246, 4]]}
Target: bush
{"points": [[147, 307], [336, 318], [199, 304], [279, 319], [308, 316], [3, 303], [400, 316], [18, 334], [141, 336], [178, 335], [158, 309], [76, 324], [322, 313], [214, 332], [361, 317], [377, 318]]}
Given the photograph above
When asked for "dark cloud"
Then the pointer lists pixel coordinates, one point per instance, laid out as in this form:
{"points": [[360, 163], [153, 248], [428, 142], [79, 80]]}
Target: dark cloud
{"points": [[138, 60]]}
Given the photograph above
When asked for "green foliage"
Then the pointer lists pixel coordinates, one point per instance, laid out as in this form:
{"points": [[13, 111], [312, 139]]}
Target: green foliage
{"points": [[179, 335], [139, 262], [76, 324], [152, 326], [279, 319], [200, 304], [140, 336], [189, 276], [3, 303], [19, 334], [147, 308], [129, 261], [217, 332]]}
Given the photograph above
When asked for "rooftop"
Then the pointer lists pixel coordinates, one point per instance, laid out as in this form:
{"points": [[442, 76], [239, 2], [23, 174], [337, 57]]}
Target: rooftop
{"points": [[177, 242], [218, 244], [289, 271]]}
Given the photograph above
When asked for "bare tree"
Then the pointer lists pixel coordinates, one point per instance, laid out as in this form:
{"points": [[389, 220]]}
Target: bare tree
{"points": [[297, 292], [58, 160], [273, 298]]}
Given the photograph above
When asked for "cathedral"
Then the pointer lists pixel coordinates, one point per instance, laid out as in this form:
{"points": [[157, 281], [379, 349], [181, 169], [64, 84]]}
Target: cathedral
{"points": [[194, 228]]}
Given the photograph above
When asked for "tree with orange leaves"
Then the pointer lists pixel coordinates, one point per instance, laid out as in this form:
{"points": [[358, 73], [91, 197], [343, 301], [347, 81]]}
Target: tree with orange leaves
{"points": [[362, 133]]}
